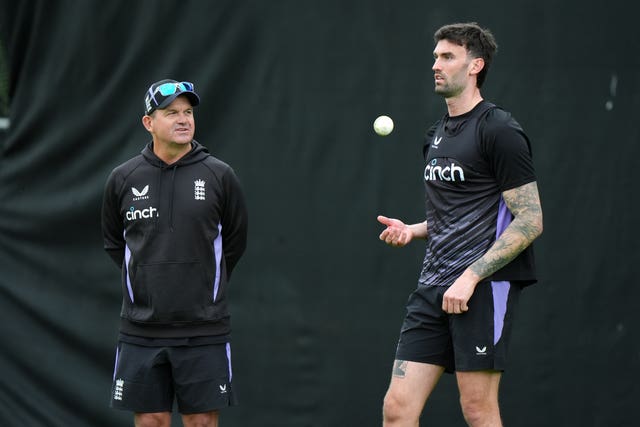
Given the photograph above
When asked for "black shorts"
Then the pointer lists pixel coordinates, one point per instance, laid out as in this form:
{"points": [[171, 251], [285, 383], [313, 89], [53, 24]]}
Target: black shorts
{"points": [[476, 340], [148, 379]]}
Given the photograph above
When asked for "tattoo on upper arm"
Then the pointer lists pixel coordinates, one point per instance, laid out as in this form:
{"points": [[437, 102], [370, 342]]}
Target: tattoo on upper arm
{"points": [[399, 368], [524, 204]]}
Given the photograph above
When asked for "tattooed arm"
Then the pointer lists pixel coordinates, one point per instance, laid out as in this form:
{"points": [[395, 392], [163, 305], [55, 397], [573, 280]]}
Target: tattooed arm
{"points": [[524, 204]]}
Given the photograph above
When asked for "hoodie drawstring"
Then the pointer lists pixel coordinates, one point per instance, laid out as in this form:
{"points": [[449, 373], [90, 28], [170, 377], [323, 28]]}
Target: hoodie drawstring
{"points": [[171, 196], [157, 218]]}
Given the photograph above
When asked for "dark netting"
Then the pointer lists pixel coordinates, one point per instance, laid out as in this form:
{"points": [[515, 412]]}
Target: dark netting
{"points": [[289, 92]]}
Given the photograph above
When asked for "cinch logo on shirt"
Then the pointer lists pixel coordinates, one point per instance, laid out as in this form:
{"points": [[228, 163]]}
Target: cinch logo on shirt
{"points": [[133, 213], [451, 172]]}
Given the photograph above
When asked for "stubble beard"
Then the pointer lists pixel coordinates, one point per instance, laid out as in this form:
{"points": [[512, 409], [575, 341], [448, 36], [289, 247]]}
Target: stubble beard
{"points": [[448, 90]]}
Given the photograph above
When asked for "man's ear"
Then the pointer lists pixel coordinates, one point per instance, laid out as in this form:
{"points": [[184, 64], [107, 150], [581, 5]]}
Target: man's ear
{"points": [[146, 122], [477, 64]]}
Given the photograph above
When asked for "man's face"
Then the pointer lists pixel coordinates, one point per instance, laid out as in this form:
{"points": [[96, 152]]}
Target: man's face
{"points": [[174, 124], [451, 68]]}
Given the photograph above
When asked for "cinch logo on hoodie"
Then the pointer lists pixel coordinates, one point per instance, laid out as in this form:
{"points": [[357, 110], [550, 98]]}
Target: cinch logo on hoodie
{"points": [[134, 214]]}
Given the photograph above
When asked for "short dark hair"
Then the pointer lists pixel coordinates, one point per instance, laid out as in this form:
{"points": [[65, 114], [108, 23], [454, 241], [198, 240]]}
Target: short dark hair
{"points": [[478, 41]]}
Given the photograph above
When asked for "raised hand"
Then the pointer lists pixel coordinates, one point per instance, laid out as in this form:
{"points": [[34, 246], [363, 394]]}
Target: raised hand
{"points": [[397, 232]]}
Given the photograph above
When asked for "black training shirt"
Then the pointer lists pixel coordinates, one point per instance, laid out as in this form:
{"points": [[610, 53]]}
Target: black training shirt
{"points": [[471, 160]]}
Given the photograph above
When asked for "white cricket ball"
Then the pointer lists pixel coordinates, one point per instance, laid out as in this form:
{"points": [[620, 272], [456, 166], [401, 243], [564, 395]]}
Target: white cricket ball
{"points": [[383, 125]]}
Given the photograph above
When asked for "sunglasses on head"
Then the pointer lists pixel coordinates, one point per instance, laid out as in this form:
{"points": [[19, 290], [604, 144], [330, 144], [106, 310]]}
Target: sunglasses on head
{"points": [[167, 89]]}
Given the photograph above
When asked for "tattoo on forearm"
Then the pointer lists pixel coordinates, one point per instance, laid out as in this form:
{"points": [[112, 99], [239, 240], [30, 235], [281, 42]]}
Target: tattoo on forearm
{"points": [[400, 368], [524, 204]]}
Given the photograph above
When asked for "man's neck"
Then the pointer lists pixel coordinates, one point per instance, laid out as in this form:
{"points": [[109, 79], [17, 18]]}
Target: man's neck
{"points": [[170, 153], [464, 102]]}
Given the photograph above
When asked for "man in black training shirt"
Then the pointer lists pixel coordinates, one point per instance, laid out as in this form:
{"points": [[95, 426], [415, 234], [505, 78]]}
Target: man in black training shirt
{"points": [[482, 214]]}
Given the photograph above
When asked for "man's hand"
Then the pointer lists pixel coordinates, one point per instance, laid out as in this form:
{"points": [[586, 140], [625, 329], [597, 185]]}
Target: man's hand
{"points": [[455, 299], [397, 232]]}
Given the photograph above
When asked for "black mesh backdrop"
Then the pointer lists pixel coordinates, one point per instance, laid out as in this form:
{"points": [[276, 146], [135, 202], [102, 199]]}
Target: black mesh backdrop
{"points": [[289, 91]]}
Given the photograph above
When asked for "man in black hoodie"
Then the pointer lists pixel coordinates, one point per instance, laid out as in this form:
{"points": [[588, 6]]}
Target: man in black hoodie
{"points": [[175, 221]]}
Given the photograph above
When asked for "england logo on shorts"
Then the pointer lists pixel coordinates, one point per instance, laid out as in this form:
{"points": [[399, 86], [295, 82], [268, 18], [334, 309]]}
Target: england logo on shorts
{"points": [[118, 390]]}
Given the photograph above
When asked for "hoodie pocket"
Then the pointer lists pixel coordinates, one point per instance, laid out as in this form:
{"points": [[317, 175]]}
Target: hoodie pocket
{"points": [[171, 292]]}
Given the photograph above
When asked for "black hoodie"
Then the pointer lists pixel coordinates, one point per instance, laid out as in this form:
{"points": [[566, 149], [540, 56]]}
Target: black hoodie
{"points": [[177, 231]]}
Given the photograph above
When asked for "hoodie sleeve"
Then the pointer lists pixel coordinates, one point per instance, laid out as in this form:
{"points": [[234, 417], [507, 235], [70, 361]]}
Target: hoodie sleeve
{"points": [[112, 225], [234, 221]]}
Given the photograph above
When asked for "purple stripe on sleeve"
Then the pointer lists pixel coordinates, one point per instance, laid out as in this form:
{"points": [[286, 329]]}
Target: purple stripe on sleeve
{"points": [[504, 217], [127, 257], [217, 251], [500, 296], [229, 360]]}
